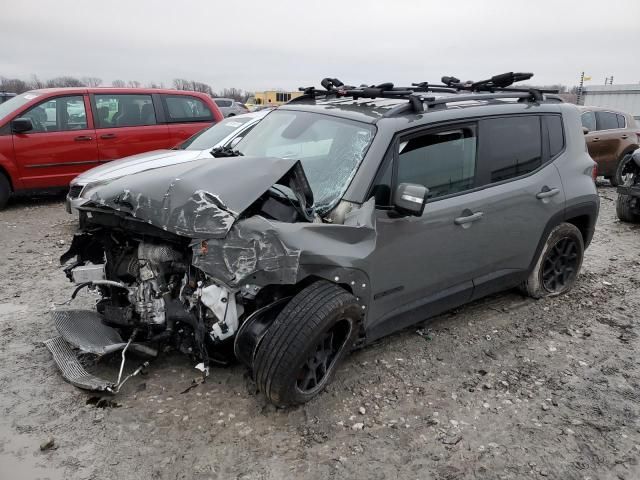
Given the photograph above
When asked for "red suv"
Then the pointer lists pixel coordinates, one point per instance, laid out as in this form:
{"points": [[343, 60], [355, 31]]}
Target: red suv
{"points": [[49, 136]]}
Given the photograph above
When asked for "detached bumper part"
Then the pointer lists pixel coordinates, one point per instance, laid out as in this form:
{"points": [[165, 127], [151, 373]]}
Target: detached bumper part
{"points": [[84, 330], [72, 370]]}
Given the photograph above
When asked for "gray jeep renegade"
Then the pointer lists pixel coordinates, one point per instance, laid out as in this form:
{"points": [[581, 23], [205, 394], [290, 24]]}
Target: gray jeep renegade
{"points": [[345, 215]]}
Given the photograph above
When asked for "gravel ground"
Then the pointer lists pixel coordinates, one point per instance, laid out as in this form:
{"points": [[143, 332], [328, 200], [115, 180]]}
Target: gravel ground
{"points": [[505, 388]]}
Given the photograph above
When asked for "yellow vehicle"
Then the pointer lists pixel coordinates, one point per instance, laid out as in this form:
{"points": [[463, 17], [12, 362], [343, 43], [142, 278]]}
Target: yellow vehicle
{"points": [[270, 98]]}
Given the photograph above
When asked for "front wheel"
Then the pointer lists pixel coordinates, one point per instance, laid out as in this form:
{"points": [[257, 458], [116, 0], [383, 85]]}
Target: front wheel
{"points": [[5, 191], [559, 262], [302, 349], [627, 208], [622, 171]]}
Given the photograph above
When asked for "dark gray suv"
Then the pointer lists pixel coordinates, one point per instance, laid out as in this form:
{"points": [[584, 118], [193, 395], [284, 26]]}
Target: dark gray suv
{"points": [[345, 215]]}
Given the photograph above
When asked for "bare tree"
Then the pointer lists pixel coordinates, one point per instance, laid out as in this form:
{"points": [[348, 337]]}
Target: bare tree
{"points": [[92, 81], [13, 85], [119, 83], [193, 86], [134, 84], [235, 93], [36, 83], [155, 85], [64, 81]]}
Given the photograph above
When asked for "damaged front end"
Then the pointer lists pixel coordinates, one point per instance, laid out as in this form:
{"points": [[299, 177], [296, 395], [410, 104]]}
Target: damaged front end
{"points": [[200, 258]]}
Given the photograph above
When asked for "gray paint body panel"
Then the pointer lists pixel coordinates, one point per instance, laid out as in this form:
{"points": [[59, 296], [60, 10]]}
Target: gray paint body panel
{"points": [[391, 263]]}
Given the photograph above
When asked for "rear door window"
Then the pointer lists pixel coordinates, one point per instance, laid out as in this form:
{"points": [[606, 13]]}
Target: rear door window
{"points": [[443, 161], [185, 108], [124, 110], [509, 147], [606, 120], [589, 121], [223, 103], [58, 115], [621, 121]]}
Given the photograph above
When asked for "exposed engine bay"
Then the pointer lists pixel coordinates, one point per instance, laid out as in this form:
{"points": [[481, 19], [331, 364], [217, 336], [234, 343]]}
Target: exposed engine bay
{"points": [[182, 269], [153, 288]]}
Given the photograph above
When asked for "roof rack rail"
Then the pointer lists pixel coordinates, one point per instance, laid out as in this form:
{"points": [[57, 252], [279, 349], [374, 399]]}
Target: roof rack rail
{"points": [[494, 87]]}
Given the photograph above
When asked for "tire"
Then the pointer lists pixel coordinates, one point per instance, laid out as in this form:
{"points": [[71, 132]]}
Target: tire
{"points": [[559, 263], [616, 179], [323, 317], [624, 210], [5, 191]]}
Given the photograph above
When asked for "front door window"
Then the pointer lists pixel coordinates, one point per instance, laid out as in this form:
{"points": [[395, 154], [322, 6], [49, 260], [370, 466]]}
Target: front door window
{"points": [[58, 115]]}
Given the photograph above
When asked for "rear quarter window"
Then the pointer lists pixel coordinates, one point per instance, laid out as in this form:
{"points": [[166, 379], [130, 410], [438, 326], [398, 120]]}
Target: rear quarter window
{"points": [[556, 134]]}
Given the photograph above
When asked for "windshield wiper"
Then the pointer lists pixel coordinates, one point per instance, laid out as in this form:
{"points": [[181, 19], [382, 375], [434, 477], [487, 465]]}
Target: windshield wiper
{"points": [[225, 152]]}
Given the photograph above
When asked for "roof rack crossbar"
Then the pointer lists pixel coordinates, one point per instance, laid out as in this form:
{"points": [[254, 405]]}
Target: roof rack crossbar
{"points": [[495, 87], [476, 96]]}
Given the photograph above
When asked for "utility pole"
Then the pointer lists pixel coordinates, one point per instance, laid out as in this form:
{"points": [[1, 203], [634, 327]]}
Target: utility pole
{"points": [[580, 88]]}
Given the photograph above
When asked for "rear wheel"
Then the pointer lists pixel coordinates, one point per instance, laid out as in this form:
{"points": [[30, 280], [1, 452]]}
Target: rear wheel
{"points": [[302, 349], [627, 208], [5, 191], [559, 262]]}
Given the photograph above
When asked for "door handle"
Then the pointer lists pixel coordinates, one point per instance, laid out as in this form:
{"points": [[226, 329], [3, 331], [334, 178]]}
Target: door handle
{"points": [[595, 139], [625, 136], [547, 192], [468, 217], [107, 136], [83, 138]]}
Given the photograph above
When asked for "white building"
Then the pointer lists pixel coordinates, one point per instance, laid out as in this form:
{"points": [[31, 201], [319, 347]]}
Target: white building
{"points": [[625, 98]]}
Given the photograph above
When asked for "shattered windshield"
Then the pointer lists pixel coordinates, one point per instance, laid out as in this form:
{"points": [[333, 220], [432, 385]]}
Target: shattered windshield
{"points": [[329, 148]]}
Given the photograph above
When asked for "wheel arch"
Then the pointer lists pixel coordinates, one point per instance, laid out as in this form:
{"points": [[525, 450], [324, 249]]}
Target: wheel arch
{"points": [[5, 173], [354, 281], [583, 215]]}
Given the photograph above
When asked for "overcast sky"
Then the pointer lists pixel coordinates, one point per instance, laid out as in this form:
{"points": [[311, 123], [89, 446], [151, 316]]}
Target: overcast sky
{"points": [[260, 44]]}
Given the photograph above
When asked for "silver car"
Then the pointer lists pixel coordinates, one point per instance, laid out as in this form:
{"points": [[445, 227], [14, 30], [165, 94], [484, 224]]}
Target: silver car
{"points": [[225, 133], [230, 107]]}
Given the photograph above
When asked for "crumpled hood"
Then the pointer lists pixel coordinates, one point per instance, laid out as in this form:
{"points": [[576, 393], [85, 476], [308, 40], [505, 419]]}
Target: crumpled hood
{"points": [[198, 199], [138, 163]]}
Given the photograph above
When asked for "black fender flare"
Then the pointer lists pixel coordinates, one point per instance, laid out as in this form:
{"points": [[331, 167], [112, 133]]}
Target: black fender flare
{"points": [[587, 209]]}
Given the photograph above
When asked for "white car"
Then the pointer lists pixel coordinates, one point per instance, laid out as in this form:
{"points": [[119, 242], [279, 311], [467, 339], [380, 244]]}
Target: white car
{"points": [[226, 133]]}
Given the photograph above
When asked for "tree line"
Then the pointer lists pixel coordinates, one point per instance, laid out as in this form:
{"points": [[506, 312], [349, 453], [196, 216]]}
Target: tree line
{"points": [[18, 85]]}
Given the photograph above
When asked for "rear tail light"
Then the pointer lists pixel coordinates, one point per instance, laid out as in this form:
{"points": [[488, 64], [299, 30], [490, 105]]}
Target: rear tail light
{"points": [[594, 172], [638, 135]]}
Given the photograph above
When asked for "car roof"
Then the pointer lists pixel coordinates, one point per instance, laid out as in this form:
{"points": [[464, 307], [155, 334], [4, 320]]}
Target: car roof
{"points": [[589, 108], [373, 110], [251, 115], [99, 90]]}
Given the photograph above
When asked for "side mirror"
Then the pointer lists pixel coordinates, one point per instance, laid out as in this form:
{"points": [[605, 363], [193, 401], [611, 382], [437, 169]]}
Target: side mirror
{"points": [[234, 142], [21, 125], [410, 198], [585, 130]]}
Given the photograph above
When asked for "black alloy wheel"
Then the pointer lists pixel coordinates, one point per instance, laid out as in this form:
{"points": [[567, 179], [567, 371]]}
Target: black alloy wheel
{"points": [[560, 265], [321, 362]]}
